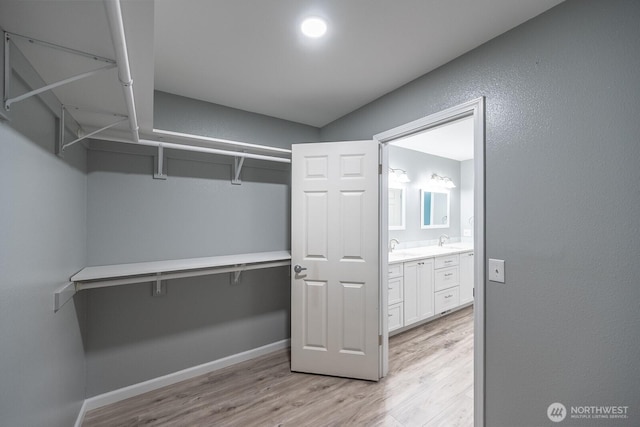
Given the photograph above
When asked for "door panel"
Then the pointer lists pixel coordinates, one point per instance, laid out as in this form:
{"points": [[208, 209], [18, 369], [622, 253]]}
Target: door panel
{"points": [[335, 237]]}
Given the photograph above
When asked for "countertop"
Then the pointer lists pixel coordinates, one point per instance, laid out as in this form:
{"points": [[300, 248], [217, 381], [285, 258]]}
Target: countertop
{"points": [[411, 254]]}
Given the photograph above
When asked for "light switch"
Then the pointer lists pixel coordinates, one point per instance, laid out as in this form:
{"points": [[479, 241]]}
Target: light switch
{"points": [[496, 270]]}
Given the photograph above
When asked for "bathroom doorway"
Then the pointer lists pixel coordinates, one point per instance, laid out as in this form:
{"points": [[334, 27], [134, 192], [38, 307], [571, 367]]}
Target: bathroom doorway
{"points": [[431, 202]]}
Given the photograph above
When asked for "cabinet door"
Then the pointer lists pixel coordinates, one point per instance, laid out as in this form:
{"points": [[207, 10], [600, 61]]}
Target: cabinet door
{"points": [[411, 283], [418, 290], [425, 290], [395, 317], [466, 277]]}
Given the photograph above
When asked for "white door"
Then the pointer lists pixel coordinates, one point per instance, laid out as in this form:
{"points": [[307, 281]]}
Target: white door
{"points": [[334, 259]]}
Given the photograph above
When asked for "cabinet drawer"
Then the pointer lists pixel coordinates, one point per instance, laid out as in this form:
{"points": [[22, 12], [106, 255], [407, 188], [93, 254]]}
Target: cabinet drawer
{"points": [[395, 270], [396, 287], [395, 316], [447, 278], [447, 299], [447, 261]]}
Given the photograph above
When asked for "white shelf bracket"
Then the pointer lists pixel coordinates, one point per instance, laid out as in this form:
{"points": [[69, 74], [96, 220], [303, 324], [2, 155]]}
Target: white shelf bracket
{"points": [[63, 295], [90, 134], [7, 68], [159, 287], [160, 162], [237, 169], [61, 132], [236, 275]]}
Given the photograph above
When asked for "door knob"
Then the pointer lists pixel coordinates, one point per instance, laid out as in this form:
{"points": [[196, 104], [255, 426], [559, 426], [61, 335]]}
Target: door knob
{"points": [[298, 269]]}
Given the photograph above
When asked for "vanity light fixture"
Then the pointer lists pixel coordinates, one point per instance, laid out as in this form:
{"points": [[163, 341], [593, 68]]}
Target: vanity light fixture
{"points": [[442, 181], [314, 27], [399, 175]]}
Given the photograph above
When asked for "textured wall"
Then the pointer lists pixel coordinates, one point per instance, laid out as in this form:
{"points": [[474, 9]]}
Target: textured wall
{"points": [[196, 212], [42, 243], [562, 199]]}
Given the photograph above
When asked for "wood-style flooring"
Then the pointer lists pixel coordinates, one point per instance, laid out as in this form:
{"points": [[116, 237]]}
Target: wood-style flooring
{"points": [[430, 383]]}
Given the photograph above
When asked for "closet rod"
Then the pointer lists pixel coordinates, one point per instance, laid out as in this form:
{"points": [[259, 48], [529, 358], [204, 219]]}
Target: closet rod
{"points": [[198, 149], [160, 133], [116, 26]]}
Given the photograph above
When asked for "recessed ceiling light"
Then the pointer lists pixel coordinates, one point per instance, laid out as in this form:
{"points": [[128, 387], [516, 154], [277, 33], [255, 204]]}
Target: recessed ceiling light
{"points": [[314, 27]]}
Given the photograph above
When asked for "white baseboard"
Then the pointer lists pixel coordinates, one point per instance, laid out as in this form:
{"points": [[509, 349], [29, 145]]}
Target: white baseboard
{"points": [[156, 383], [80, 418]]}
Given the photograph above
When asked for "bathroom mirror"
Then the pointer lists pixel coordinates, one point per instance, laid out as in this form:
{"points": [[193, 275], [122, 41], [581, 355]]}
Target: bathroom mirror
{"points": [[396, 209], [434, 209]]}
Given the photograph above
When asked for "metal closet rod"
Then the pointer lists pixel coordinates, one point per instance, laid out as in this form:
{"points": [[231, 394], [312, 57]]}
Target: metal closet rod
{"points": [[116, 26], [198, 149]]}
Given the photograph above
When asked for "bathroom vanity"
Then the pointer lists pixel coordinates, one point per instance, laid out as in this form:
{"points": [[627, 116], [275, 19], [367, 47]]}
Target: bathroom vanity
{"points": [[426, 282]]}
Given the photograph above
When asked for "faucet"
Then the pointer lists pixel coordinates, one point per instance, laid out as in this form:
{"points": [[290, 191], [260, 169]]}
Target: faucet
{"points": [[392, 244], [442, 238]]}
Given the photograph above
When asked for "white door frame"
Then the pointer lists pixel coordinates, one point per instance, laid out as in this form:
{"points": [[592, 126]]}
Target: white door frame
{"points": [[476, 109]]}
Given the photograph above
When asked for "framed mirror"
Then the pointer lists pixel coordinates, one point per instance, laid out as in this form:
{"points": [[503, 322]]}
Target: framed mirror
{"points": [[434, 209], [397, 205]]}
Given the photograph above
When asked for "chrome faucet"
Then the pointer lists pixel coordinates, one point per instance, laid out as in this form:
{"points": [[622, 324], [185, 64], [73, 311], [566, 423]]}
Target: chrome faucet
{"points": [[392, 244], [442, 238]]}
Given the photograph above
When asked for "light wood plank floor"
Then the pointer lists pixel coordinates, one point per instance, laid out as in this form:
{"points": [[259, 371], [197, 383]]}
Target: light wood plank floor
{"points": [[430, 383]]}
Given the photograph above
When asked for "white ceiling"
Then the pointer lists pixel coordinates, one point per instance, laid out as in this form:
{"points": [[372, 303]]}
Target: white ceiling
{"points": [[453, 140], [248, 54]]}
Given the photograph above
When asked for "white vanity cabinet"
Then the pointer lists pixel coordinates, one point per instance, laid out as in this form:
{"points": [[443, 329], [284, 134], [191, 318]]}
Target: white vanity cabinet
{"points": [[395, 311], [466, 277], [418, 290], [423, 288]]}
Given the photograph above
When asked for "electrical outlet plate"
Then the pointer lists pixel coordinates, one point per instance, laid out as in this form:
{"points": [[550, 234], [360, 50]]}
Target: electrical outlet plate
{"points": [[496, 270]]}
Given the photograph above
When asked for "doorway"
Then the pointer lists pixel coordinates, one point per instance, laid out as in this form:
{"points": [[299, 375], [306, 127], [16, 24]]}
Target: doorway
{"points": [[467, 221]]}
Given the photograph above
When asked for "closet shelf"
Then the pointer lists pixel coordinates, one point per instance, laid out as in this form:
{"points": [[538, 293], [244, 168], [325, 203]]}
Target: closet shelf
{"points": [[123, 274]]}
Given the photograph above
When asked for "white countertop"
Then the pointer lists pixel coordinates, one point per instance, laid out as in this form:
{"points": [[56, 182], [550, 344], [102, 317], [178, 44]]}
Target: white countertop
{"points": [[411, 254]]}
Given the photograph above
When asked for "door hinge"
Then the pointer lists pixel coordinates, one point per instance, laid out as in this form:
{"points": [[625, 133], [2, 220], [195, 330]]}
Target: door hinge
{"points": [[379, 169], [379, 339]]}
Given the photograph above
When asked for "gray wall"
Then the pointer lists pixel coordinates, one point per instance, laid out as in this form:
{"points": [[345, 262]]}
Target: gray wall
{"points": [[562, 204], [42, 243], [196, 212], [419, 167]]}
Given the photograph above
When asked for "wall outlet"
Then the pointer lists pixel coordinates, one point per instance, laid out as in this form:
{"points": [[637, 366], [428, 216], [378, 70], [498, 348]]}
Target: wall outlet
{"points": [[496, 270], [466, 232]]}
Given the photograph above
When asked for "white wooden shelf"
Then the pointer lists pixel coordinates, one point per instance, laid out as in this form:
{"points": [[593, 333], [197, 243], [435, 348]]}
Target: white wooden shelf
{"points": [[155, 271]]}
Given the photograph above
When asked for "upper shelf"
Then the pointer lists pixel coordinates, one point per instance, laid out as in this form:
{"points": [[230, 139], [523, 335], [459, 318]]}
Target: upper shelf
{"points": [[121, 274]]}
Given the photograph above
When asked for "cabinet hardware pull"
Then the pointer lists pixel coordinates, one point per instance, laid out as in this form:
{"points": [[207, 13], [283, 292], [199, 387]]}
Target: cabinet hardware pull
{"points": [[448, 296], [448, 274]]}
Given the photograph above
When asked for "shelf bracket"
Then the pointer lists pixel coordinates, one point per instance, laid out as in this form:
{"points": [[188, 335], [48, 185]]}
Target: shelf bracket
{"points": [[159, 287], [237, 169], [62, 295], [160, 161], [7, 69], [90, 134], [236, 275]]}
